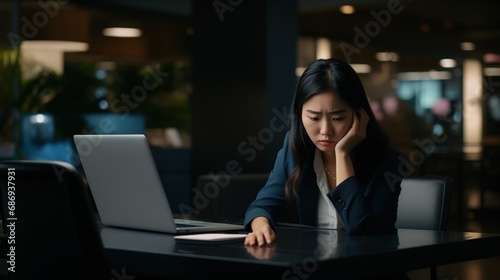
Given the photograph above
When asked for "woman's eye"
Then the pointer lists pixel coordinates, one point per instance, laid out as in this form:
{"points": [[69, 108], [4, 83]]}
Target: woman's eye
{"points": [[314, 118], [338, 119]]}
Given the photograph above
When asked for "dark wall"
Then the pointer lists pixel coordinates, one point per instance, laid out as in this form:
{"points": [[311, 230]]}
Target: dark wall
{"points": [[244, 55]]}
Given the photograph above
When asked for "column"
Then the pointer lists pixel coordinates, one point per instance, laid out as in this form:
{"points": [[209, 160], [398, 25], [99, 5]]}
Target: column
{"points": [[244, 59]]}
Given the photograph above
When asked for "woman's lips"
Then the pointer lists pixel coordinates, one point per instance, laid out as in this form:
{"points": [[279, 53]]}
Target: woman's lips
{"points": [[326, 142]]}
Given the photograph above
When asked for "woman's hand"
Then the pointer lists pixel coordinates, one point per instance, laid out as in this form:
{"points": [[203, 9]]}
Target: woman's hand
{"points": [[356, 134], [261, 234]]}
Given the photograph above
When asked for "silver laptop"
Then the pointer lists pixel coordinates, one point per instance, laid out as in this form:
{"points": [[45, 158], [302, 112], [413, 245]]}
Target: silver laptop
{"points": [[127, 189]]}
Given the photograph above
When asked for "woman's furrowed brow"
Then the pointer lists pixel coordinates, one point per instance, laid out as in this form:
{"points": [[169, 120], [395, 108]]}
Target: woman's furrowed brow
{"points": [[338, 111], [312, 111]]}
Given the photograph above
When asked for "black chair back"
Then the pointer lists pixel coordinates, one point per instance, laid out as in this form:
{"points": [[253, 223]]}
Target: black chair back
{"points": [[424, 203], [49, 222]]}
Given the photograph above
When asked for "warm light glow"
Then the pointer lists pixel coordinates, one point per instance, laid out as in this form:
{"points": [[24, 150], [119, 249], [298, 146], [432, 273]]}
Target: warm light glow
{"points": [[122, 32], [472, 96], [439, 75], [467, 46], [54, 45], [49, 54], [447, 63], [361, 68], [387, 56], [323, 48], [347, 9], [492, 71], [429, 75], [299, 71]]}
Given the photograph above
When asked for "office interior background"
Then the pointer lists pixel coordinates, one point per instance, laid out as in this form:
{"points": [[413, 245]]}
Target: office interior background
{"points": [[210, 83]]}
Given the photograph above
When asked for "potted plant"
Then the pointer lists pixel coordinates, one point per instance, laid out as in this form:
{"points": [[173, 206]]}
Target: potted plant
{"points": [[28, 88], [21, 91]]}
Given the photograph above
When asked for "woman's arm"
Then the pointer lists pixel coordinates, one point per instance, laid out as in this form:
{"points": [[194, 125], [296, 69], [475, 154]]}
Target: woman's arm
{"points": [[271, 197], [355, 135], [371, 208]]}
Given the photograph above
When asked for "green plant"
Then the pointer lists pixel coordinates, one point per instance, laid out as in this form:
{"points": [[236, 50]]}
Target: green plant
{"points": [[9, 74], [28, 87], [166, 103], [23, 90]]}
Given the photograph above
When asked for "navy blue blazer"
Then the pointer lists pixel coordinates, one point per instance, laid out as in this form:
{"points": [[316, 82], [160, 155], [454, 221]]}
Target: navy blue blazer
{"points": [[363, 208]]}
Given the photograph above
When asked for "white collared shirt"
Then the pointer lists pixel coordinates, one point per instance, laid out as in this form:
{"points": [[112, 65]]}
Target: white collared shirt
{"points": [[327, 215]]}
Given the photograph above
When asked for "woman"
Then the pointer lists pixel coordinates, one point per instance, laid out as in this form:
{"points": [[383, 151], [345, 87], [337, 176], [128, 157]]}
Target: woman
{"points": [[336, 164]]}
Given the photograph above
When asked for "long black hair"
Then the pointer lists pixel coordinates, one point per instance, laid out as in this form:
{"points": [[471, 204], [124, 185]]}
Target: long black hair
{"points": [[339, 77]]}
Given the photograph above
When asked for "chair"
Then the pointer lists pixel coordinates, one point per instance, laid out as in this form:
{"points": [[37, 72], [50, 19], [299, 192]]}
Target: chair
{"points": [[56, 233], [424, 203]]}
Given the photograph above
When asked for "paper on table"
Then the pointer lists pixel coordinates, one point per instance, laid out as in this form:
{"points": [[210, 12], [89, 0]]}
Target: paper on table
{"points": [[211, 236]]}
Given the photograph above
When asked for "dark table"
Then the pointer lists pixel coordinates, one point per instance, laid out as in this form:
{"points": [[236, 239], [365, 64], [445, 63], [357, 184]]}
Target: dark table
{"points": [[299, 253]]}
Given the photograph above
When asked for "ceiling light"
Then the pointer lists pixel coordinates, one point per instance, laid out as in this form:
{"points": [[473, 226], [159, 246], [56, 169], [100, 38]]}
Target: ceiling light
{"points": [[361, 68], [347, 9], [447, 63], [467, 46], [122, 32]]}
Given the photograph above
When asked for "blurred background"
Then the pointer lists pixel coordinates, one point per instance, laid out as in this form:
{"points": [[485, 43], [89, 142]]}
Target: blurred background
{"points": [[210, 83], [212, 80]]}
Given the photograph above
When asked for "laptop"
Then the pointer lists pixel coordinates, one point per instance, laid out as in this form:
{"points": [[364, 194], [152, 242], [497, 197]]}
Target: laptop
{"points": [[126, 186]]}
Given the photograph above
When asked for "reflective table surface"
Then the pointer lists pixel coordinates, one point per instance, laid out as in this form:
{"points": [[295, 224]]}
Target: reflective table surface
{"points": [[298, 253]]}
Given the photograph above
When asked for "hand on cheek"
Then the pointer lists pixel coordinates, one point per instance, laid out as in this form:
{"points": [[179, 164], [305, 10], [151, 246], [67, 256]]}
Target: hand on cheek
{"points": [[356, 134]]}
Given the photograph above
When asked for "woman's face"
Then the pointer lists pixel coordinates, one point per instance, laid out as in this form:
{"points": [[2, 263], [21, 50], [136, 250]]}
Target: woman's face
{"points": [[326, 119]]}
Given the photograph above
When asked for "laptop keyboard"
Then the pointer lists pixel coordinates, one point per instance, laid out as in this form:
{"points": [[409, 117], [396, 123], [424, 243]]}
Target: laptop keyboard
{"points": [[185, 225]]}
